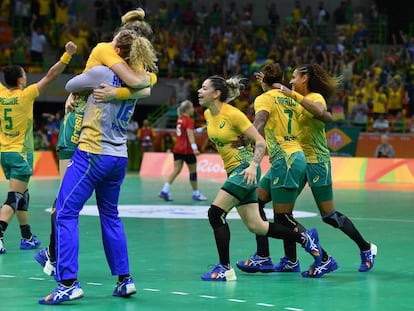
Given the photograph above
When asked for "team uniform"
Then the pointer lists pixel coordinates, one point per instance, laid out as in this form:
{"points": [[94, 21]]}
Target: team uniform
{"points": [[102, 54], [17, 147], [312, 137], [182, 149], [223, 129], [286, 156], [98, 164], [16, 135]]}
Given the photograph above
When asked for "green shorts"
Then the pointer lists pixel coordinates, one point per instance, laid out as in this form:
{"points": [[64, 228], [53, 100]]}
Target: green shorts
{"points": [[236, 187], [17, 165], [286, 177], [319, 178], [319, 174]]}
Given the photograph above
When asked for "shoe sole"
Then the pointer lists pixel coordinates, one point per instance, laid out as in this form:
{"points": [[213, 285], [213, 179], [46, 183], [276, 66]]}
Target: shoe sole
{"points": [[335, 267], [288, 271], [255, 270], [165, 199]]}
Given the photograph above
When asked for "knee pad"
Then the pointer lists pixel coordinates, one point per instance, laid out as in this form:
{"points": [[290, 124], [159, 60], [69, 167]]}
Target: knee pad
{"points": [[26, 198], [216, 216], [15, 200], [193, 176], [287, 220], [335, 219]]}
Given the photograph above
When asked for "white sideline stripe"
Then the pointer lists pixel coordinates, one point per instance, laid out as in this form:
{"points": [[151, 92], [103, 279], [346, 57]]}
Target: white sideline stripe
{"points": [[7, 276], [36, 279], [180, 293], [262, 304], [208, 297], [95, 284], [151, 289], [293, 309], [236, 300]]}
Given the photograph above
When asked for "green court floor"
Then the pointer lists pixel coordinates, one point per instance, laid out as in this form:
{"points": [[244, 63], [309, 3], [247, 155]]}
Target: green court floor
{"points": [[171, 245]]}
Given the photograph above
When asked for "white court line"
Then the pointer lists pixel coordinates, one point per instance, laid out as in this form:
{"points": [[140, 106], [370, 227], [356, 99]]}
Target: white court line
{"points": [[180, 293], [208, 297], [151, 289], [7, 276], [236, 300], [36, 279], [293, 309], [94, 284], [262, 304]]}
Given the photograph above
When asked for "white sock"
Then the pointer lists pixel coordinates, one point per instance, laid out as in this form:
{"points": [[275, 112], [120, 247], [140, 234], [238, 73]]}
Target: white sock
{"points": [[196, 192], [166, 187]]}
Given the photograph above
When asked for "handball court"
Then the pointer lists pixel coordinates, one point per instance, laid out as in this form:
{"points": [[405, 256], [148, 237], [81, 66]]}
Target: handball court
{"points": [[171, 244]]}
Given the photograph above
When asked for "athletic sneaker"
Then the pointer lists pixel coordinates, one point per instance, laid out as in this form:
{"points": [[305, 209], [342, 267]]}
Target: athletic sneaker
{"points": [[125, 288], [31, 243], [2, 249], [43, 258], [367, 258], [63, 293], [199, 197], [286, 265], [312, 245], [256, 264], [317, 270], [220, 273], [165, 195]]}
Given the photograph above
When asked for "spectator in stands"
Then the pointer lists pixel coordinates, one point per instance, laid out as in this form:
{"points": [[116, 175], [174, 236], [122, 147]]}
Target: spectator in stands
{"points": [[381, 124], [359, 116], [38, 41], [385, 149], [379, 101], [146, 135], [338, 111]]}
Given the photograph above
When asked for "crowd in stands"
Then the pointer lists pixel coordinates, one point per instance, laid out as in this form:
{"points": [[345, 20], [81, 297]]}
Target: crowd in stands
{"points": [[195, 40]]}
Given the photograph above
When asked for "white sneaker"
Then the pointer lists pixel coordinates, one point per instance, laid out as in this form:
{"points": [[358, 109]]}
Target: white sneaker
{"points": [[199, 197]]}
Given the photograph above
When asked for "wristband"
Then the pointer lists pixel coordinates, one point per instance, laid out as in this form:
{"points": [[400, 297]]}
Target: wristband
{"points": [[194, 146], [65, 58], [296, 96], [153, 78], [123, 93]]}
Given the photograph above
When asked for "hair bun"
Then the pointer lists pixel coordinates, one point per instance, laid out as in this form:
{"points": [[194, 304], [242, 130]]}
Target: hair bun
{"points": [[132, 16]]}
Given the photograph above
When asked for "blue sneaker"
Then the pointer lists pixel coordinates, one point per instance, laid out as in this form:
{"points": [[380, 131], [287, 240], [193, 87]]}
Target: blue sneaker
{"points": [[62, 294], [286, 265], [31, 243], [256, 264], [199, 197], [2, 249], [165, 195], [312, 245], [220, 273], [125, 288], [367, 258], [43, 258], [318, 270]]}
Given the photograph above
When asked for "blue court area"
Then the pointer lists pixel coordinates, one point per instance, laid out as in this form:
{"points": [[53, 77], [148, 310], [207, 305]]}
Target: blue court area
{"points": [[171, 244]]}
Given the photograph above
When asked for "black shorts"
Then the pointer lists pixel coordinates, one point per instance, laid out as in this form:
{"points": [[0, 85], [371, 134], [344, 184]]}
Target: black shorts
{"points": [[187, 158]]}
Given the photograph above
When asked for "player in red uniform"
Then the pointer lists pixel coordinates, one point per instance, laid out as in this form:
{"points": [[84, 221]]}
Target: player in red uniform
{"points": [[185, 150]]}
